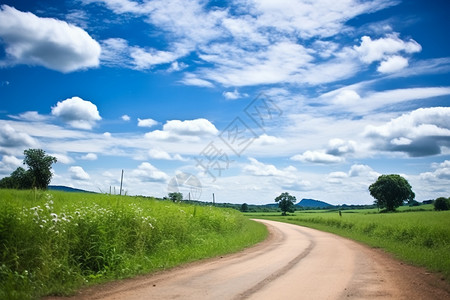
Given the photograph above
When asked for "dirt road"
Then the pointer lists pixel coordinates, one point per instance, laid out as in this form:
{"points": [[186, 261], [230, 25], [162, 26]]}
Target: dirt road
{"points": [[293, 263]]}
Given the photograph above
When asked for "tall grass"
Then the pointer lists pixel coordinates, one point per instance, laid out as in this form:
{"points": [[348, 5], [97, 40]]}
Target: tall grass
{"points": [[418, 237], [55, 242]]}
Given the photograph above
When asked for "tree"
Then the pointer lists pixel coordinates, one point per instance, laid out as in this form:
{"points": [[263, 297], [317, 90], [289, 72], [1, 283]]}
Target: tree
{"points": [[22, 178], [40, 166], [176, 196], [390, 191], [286, 203], [244, 207], [442, 203]]}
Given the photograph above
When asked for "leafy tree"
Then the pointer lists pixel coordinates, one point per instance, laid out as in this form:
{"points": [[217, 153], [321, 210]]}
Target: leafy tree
{"points": [[286, 203], [176, 196], [390, 191], [22, 178], [40, 166], [244, 207], [442, 203]]}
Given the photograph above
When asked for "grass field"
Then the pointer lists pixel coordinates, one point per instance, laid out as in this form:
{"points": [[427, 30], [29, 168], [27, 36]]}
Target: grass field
{"points": [[418, 237], [55, 242]]}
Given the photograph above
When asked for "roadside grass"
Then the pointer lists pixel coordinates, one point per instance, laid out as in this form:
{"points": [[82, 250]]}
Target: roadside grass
{"points": [[52, 243], [418, 237]]}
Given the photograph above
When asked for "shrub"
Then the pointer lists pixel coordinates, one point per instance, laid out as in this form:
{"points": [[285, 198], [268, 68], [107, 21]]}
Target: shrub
{"points": [[442, 203]]}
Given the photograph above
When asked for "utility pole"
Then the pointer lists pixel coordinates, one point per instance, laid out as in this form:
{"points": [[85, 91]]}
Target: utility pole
{"points": [[121, 181], [214, 200]]}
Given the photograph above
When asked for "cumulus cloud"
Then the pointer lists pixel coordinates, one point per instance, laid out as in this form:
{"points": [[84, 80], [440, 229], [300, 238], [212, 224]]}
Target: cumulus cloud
{"points": [[260, 169], [147, 122], [125, 118], [176, 130], [11, 138], [161, 154], [47, 42], [441, 172], [319, 157], [63, 158], [146, 172], [77, 173], [234, 95], [422, 132], [77, 112], [386, 50], [393, 64], [9, 163], [339, 147], [358, 170], [89, 156], [335, 152]]}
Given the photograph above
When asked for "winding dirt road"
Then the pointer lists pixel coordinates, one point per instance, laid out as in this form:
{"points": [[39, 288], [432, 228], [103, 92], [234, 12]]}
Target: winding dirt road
{"points": [[293, 263]]}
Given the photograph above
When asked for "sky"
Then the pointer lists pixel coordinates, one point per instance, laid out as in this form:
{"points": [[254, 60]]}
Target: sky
{"points": [[245, 99]]}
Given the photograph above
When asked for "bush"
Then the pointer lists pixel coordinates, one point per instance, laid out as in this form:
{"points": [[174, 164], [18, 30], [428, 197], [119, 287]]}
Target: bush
{"points": [[442, 203], [54, 242]]}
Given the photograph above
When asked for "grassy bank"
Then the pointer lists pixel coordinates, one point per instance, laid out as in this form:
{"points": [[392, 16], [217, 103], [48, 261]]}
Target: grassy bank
{"points": [[55, 242], [418, 237]]}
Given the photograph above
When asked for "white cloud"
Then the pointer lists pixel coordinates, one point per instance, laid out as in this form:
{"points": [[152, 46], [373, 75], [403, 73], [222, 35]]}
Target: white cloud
{"points": [[349, 100], [358, 170], [77, 173], [176, 130], [311, 18], [380, 49], [421, 132], [260, 169], [393, 64], [32, 116], [192, 79], [11, 138], [46, 42], [146, 172], [147, 122], [234, 95], [77, 112], [177, 66], [147, 58], [126, 118], [319, 157], [63, 158], [441, 172], [160, 154], [267, 140], [340, 147], [89, 156], [9, 163]]}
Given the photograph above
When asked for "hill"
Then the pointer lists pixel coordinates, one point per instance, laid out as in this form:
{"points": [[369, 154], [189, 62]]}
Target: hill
{"points": [[313, 203], [67, 189]]}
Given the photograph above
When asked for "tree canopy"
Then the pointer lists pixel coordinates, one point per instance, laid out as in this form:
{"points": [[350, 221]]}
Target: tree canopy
{"points": [[390, 191], [176, 196], [286, 203], [38, 175]]}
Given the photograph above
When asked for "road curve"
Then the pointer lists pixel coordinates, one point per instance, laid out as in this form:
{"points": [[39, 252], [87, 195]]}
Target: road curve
{"points": [[293, 263]]}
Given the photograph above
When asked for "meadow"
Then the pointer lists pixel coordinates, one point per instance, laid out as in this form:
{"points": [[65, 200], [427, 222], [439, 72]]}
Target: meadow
{"points": [[418, 235], [52, 243]]}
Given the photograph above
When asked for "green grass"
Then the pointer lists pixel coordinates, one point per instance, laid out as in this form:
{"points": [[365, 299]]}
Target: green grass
{"points": [[56, 242], [418, 237]]}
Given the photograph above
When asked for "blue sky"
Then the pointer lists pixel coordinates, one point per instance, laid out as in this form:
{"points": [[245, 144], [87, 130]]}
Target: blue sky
{"points": [[252, 97]]}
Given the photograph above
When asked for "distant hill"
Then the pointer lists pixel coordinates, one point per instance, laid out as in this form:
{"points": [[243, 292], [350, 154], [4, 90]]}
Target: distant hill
{"points": [[67, 189], [313, 203]]}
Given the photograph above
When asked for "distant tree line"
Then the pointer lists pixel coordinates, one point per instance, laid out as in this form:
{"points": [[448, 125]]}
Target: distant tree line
{"points": [[38, 175]]}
